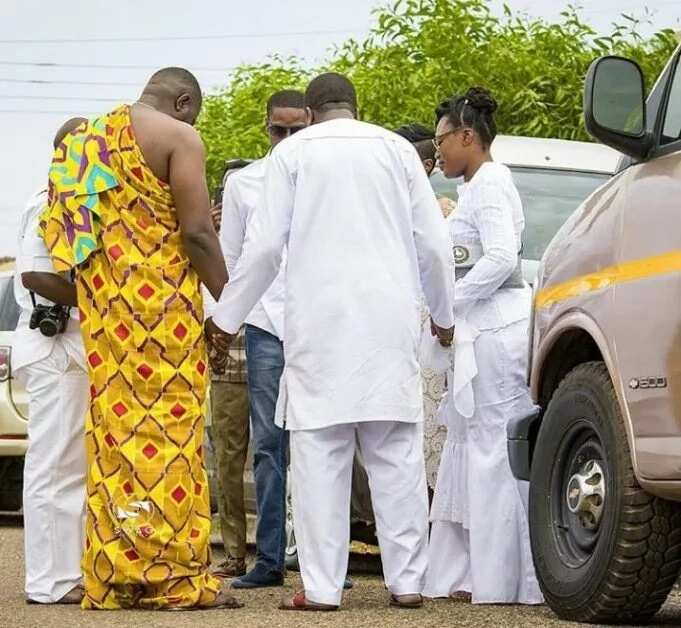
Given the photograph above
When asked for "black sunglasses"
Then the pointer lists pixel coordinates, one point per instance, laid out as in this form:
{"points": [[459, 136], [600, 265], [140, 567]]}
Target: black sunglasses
{"points": [[283, 131]]}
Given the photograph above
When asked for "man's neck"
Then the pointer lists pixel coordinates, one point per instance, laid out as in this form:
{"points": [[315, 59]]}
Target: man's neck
{"points": [[333, 114], [148, 99], [153, 101]]}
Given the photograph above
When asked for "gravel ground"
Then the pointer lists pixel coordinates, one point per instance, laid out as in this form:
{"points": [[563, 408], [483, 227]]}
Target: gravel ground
{"points": [[366, 606]]}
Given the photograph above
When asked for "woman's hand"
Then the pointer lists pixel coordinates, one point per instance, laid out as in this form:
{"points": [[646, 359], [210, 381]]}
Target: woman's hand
{"points": [[218, 339], [444, 336], [217, 361]]}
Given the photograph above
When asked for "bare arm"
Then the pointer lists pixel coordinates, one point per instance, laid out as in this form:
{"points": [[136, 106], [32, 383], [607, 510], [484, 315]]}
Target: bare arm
{"points": [[187, 177], [51, 287]]}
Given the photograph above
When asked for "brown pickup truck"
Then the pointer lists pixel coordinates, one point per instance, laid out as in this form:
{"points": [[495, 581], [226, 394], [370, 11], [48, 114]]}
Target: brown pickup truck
{"points": [[603, 452]]}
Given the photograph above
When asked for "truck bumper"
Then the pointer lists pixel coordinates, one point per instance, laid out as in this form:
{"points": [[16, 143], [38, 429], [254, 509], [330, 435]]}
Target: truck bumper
{"points": [[521, 433]]}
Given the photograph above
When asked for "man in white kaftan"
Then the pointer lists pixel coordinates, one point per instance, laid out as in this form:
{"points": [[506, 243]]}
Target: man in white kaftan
{"points": [[53, 371], [365, 237]]}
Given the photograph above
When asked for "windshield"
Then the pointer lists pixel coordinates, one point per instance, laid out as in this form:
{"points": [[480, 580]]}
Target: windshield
{"points": [[549, 197], [9, 310]]}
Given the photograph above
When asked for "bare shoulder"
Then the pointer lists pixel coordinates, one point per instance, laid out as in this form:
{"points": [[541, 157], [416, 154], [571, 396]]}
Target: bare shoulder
{"points": [[161, 138], [187, 136], [174, 133], [156, 128]]}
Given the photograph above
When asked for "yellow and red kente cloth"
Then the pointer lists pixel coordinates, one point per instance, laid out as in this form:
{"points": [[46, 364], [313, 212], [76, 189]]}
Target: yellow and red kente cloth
{"points": [[148, 515]]}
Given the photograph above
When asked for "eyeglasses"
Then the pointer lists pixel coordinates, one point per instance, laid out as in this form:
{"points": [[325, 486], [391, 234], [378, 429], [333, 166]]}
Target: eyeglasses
{"points": [[277, 130], [437, 141]]}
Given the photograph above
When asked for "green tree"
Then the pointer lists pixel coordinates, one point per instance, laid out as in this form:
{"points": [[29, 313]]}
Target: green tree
{"points": [[232, 122], [423, 51]]}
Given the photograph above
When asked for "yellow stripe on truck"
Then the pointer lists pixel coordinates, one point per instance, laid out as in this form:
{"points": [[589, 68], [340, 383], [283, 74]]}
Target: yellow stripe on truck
{"points": [[621, 273]]}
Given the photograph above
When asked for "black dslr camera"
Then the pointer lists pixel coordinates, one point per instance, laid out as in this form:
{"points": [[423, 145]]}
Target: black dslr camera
{"points": [[49, 319]]}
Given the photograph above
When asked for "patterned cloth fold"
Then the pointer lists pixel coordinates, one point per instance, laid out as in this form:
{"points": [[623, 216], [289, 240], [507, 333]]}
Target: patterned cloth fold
{"points": [[80, 172]]}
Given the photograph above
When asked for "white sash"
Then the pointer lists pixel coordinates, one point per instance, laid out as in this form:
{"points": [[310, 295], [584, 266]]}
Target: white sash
{"points": [[458, 361]]}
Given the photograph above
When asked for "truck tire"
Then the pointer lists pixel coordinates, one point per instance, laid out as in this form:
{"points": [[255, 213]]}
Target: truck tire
{"points": [[605, 551]]}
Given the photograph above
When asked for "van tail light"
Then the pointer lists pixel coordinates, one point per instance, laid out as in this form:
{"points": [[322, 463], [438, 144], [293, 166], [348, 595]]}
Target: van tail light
{"points": [[5, 367]]}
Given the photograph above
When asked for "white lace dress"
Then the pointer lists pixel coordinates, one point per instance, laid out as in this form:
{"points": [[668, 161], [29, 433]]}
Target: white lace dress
{"points": [[434, 388], [434, 434]]}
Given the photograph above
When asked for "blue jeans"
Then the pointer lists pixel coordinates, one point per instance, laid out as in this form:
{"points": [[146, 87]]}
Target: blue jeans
{"points": [[265, 363]]}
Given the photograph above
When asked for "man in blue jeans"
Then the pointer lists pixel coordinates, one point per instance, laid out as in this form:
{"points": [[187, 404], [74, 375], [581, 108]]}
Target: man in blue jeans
{"points": [[264, 352]]}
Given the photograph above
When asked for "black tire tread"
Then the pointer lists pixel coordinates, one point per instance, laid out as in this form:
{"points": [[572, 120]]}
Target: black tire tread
{"points": [[647, 557]]}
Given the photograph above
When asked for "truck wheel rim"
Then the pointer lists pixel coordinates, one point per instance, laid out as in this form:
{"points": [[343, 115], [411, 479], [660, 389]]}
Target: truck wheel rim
{"points": [[586, 494], [578, 495]]}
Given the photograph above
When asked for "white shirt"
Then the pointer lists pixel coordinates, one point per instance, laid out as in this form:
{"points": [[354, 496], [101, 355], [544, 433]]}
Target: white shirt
{"points": [[489, 218], [365, 238], [243, 195], [29, 345]]}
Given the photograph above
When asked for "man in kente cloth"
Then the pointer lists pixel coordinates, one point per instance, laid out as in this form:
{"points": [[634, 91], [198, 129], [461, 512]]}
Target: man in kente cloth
{"points": [[129, 215]]}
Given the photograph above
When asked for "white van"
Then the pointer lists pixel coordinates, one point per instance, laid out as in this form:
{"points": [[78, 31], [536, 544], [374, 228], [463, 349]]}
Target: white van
{"points": [[13, 404]]}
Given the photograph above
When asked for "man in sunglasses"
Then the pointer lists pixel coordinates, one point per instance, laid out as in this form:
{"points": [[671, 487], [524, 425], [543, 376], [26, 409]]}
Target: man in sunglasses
{"points": [[264, 351]]}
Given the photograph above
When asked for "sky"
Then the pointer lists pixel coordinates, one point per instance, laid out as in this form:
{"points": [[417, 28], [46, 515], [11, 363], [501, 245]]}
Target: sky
{"points": [[206, 36]]}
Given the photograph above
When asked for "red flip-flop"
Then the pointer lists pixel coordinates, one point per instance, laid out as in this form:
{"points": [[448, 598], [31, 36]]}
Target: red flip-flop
{"points": [[299, 602]]}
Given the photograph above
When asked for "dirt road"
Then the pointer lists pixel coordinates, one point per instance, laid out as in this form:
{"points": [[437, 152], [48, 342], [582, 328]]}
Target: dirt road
{"points": [[364, 607]]}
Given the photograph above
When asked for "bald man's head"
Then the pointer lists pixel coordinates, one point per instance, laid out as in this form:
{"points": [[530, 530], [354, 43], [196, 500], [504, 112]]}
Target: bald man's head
{"points": [[68, 127], [331, 91], [175, 92]]}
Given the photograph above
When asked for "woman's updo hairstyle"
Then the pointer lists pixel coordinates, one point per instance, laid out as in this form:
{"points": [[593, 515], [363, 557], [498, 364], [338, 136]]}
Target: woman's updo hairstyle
{"points": [[475, 109]]}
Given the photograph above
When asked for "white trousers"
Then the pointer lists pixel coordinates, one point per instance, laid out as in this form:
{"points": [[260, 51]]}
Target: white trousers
{"points": [[480, 539], [54, 475], [321, 468]]}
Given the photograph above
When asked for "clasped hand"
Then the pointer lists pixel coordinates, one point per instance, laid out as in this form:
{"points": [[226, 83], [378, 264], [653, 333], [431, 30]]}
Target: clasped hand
{"points": [[445, 336], [219, 342]]}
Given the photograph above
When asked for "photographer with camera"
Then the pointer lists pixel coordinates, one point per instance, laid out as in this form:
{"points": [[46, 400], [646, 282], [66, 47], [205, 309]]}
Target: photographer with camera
{"points": [[49, 359]]}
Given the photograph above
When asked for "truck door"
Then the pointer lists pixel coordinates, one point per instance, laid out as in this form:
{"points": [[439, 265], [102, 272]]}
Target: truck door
{"points": [[647, 321]]}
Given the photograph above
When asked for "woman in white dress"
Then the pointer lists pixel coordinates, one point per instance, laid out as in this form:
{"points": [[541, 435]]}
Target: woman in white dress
{"points": [[480, 538]]}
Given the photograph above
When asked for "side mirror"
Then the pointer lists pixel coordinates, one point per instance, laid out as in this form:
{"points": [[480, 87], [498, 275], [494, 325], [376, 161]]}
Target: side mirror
{"points": [[614, 106]]}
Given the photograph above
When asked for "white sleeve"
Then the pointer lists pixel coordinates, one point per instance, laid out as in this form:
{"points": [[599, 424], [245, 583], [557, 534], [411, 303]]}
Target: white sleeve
{"points": [[208, 303], [233, 223], [267, 233], [433, 247], [494, 220], [32, 249]]}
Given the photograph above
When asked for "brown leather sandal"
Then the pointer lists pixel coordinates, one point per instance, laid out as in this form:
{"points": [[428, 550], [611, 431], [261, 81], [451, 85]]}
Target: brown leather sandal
{"points": [[299, 602], [411, 600], [230, 568], [222, 601]]}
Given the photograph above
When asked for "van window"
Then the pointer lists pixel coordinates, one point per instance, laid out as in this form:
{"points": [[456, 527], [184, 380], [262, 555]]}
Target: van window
{"points": [[671, 131], [9, 310], [549, 197]]}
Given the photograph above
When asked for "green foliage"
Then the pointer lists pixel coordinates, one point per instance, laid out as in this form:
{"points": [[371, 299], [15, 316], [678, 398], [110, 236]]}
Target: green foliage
{"points": [[423, 51], [232, 122]]}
